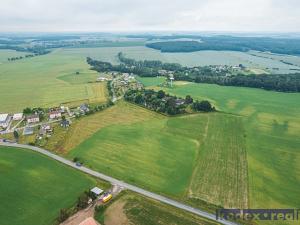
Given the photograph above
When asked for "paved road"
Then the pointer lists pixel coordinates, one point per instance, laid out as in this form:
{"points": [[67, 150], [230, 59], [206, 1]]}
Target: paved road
{"points": [[121, 183]]}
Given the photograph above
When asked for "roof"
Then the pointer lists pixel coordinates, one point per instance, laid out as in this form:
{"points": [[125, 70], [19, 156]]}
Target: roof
{"points": [[55, 112], [89, 221], [96, 190], [28, 130], [32, 116], [18, 115], [3, 117]]}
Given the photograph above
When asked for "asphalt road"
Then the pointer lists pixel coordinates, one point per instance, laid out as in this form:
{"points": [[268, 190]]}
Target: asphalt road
{"points": [[121, 183]]}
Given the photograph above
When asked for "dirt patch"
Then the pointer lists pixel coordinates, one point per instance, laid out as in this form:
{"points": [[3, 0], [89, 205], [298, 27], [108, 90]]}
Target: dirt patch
{"points": [[80, 216], [115, 215]]}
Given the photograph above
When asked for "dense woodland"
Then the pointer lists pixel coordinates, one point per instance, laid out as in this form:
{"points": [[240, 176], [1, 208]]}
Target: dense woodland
{"points": [[164, 103], [206, 74], [219, 43]]}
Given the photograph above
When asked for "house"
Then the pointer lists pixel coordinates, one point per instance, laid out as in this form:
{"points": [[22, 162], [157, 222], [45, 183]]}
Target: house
{"points": [[18, 116], [101, 79], [65, 123], [28, 130], [34, 118], [4, 120], [45, 129], [97, 191], [55, 114], [179, 101], [84, 108]]}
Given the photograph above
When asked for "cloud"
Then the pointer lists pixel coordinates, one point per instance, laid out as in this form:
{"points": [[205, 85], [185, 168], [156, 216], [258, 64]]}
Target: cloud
{"points": [[141, 15]]}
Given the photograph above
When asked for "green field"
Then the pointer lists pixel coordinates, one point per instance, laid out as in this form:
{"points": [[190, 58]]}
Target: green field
{"points": [[34, 188], [134, 209], [173, 155], [272, 128], [47, 80], [53, 76]]}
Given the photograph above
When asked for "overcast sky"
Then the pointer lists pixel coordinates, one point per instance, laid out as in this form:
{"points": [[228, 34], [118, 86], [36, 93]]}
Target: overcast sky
{"points": [[150, 15]]}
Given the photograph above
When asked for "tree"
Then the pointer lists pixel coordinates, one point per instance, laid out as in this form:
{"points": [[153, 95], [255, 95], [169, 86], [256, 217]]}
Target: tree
{"points": [[82, 201], [27, 111], [16, 134], [204, 106], [188, 100], [161, 94]]}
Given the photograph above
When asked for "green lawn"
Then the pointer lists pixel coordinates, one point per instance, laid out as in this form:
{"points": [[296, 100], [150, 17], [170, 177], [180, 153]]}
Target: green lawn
{"points": [[272, 126], [34, 188]]}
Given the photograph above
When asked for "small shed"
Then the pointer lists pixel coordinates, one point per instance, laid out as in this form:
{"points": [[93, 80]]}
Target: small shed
{"points": [[28, 130], [97, 191]]}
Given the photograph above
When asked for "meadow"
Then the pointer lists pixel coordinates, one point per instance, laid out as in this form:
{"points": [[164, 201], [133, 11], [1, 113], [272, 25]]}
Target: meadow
{"points": [[171, 152], [131, 208], [34, 188], [272, 130]]}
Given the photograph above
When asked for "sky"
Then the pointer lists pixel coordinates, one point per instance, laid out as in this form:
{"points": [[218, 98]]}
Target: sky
{"points": [[149, 15]]}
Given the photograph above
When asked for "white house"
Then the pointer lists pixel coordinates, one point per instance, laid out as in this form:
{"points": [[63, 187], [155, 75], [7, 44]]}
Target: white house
{"points": [[4, 120], [18, 116], [54, 114], [33, 118]]}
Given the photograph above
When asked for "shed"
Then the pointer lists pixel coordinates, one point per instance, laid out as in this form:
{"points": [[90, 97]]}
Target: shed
{"points": [[97, 191]]}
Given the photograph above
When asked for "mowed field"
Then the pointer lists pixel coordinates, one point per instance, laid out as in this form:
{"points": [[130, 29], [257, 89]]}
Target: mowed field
{"points": [[34, 188], [272, 129], [48, 80], [169, 155], [132, 209]]}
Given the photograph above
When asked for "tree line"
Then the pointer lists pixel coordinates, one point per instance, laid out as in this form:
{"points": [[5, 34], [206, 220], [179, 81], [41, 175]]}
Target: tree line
{"points": [[205, 74], [162, 102]]}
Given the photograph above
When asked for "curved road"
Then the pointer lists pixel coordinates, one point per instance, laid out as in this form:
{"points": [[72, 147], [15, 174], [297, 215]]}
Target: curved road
{"points": [[121, 183]]}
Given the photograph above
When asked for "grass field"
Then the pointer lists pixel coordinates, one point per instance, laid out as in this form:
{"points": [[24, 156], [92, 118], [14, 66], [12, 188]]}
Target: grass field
{"points": [[272, 126], [132, 209], [171, 153], [53, 76], [47, 80], [34, 188], [5, 54]]}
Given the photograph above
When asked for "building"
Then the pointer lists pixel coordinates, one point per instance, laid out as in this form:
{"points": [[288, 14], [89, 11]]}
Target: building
{"points": [[97, 191], [65, 123], [45, 129], [179, 101], [33, 118], [84, 108], [28, 131], [101, 79], [18, 116], [4, 120], [54, 114], [89, 221]]}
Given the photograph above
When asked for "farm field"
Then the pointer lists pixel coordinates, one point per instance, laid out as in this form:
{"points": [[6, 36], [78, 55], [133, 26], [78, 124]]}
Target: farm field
{"points": [[200, 58], [4, 54], [137, 210], [53, 76], [34, 188], [161, 148], [271, 123], [47, 80], [123, 113]]}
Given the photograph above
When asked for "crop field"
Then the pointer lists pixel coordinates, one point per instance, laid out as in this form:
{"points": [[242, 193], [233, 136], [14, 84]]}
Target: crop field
{"points": [[5, 54], [172, 153], [134, 209], [54, 80], [272, 127], [47, 80], [83, 128], [251, 59], [34, 188]]}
